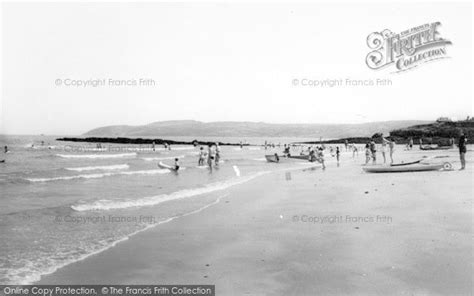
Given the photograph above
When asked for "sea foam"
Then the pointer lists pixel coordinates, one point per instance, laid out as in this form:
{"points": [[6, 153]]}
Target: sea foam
{"points": [[97, 155], [100, 175], [104, 168], [32, 273], [105, 204], [162, 158]]}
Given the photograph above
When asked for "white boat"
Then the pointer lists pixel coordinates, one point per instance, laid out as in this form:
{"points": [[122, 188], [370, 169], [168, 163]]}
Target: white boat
{"points": [[418, 167]]}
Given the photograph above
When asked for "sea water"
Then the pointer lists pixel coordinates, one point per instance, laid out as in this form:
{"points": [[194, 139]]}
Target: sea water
{"points": [[61, 202]]}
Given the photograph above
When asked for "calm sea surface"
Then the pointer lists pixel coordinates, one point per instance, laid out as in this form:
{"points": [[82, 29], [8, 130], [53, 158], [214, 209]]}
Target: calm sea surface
{"points": [[61, 202]]}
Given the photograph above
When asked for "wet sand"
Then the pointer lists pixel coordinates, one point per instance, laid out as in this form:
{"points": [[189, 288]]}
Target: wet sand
{"points": [[384, 234]]}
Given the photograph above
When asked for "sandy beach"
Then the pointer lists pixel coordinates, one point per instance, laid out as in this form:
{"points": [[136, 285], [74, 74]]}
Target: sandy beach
{"points": [[309, 232], [237, 145]]}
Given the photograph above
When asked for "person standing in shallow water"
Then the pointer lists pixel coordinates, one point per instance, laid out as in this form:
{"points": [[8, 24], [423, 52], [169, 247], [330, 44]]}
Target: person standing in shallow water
{"points": [[201, 156], [337, 155], [210, 156], [218, 154], [354, 150], [462, 151], [321, 157]]}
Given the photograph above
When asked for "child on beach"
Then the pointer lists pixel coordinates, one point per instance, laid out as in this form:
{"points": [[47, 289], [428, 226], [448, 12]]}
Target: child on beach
{"points": [[286, 151], [373, 150], [367, 153], [321, 157], [311, 155], [355, 151]]}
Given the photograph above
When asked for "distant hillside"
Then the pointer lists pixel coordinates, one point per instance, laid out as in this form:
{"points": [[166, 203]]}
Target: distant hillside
{"points": [[250, 129], [436, 131]]}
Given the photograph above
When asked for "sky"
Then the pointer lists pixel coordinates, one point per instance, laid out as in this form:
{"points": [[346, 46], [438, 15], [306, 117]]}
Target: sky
{"points": [[223, 61]]}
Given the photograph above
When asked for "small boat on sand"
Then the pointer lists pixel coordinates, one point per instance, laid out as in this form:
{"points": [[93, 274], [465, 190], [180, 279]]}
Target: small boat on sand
{"points": [[273, 158], [435, 147], [302, 157], [414, 167], [424, 159]]}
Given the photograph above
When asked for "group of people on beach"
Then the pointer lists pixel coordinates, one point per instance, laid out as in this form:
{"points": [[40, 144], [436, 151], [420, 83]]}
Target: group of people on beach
{"points": [[316, 153], [371, 150], [312, 153], [212, 155], [270, 145]]}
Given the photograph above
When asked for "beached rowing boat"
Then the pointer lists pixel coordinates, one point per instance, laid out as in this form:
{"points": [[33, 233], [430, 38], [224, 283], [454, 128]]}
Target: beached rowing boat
{"points": [[424, 159], [435, 147], [273, 158], [303, 157], [417, 167]]}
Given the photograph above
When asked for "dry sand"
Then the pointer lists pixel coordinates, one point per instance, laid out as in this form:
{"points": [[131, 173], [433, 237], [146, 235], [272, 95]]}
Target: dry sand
{"points": [[258, 239]]}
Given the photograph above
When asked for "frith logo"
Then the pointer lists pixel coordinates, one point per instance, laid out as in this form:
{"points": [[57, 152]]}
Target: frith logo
{"points": [[407, 49]]}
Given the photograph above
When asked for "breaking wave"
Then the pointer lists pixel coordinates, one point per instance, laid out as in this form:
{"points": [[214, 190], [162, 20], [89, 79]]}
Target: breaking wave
{"points": [[105, 204]]}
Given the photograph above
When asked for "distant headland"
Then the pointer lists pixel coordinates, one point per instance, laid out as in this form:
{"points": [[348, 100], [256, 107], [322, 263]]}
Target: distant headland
{"points": [[198, 129], [438, 132]]}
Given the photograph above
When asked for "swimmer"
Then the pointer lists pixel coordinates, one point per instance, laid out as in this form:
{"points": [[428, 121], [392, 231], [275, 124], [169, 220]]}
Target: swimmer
{"points": [[176, 164]]}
